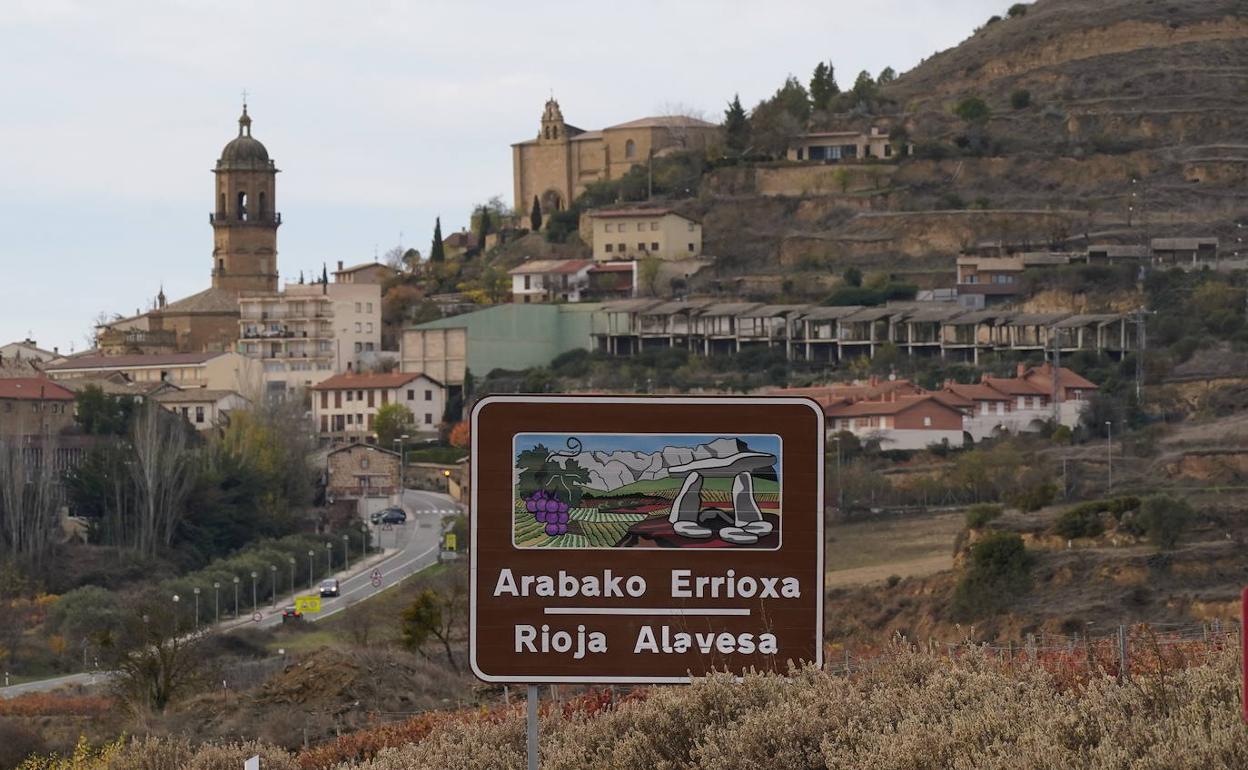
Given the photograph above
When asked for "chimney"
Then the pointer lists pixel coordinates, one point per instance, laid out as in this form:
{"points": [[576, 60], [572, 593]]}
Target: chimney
{"points": [[340, 265], [56, 351], [1022, 369]]}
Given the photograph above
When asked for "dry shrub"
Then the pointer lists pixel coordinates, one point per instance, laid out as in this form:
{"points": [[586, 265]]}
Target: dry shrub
{"points": [[18, 741], [916, 710], [46, 704]]}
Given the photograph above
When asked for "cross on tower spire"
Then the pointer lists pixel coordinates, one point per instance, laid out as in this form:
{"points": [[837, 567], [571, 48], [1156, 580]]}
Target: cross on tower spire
{"points": [[244, 121]]}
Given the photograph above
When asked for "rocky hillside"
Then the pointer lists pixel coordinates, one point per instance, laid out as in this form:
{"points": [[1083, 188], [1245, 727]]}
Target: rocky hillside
{"points": [[1117, 90]]}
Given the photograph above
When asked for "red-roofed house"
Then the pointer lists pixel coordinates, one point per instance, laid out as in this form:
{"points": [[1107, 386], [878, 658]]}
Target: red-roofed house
{"points": [[550, 280], [902, 422], [33, 406], [345, 406]]}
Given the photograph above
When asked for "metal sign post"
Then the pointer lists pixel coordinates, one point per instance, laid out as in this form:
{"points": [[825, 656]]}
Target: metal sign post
{"points": [[1243, 641], [532, 726]]}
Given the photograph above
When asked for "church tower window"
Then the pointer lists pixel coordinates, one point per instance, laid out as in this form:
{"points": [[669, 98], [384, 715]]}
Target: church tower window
{"points": [[242, 206], [630, 149]]}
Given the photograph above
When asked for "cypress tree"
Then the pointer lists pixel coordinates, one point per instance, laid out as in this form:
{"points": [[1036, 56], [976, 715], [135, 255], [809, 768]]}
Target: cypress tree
{"points": [[535, 215], [736, 128], [823, 85], [436, 254]]}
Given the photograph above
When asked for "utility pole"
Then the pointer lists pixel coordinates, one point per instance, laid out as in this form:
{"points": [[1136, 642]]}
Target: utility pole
{"points": [[1109, 456], [1057, 365]]}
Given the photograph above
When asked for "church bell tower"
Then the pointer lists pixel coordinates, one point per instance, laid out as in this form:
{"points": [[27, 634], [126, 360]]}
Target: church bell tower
{"points": [[245, 220]]}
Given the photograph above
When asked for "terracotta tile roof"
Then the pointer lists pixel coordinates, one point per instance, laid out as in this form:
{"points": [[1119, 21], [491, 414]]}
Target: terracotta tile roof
{"points": [[206, 301], [1065, 377], [362, 266], [548, 266], [132, 361], [194, 395], [370, 381], [872, 408], [636, 212], [33, 389], [612, 267], [975, 392], [664, 121], [1013, 386]]}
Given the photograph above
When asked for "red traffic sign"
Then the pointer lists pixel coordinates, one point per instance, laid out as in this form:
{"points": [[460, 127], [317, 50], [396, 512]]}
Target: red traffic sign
{"points": [[376, 581], [256, 617], [637, 539], [376, 574]]}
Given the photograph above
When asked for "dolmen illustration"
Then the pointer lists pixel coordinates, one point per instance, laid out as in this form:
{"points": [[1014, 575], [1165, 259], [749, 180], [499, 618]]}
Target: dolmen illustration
{"points": [[647, 491], [746, 524]]}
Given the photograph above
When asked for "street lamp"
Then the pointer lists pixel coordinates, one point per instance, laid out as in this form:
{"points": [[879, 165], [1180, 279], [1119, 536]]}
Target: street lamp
{"points": [[292, 578], [195, 591], [329, 558], [346, 552], [1108, 454], [175, 614], [840, 486], [402, 442], [253, 590], [273, 584], [311, 556], [216, 602], [236, 596]]}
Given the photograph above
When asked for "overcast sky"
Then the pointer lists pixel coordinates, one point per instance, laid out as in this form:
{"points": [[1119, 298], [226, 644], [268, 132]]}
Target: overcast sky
{"points": [[381, 116]]}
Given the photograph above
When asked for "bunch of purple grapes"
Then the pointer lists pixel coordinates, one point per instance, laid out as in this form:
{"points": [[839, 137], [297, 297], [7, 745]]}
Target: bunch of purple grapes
{"points": [[548, 509]]}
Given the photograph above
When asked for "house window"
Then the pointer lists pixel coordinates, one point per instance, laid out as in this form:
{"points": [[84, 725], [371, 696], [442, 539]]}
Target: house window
{"points": [[350, 395], [691, 247], [350, 419], [654, 225], [357, 309], [428, 419], [364, 463], [338, 399], [369, 306], [630, 149], [372, 395], [654, 246], [324, 423], [359, 327], [608, 227], [428, 395], [199, 414], [359, 346], [641, 247], [359, 395], [368, 346], [369, 327], [527, 283], [927, 422], [621, 248], [610, 248]]}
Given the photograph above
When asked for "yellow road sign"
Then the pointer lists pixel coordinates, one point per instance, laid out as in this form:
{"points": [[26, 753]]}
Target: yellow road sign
{"points": [[450, 542], [308, 603]]}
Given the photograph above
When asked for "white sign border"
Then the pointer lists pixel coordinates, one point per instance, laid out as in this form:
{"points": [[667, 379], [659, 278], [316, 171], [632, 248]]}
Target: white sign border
{"points": [[637, 400]]}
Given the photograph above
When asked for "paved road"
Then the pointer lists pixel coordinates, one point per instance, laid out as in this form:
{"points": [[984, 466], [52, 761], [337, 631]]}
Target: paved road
{"points": [[417, 542]]}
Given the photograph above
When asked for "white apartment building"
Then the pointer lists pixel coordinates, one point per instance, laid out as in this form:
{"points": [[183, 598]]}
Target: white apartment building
{"points": [[550, 280], [310, 332], [344, 407]]}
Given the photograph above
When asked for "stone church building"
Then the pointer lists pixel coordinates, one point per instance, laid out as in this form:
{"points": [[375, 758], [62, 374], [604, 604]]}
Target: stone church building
{"points": [[244, 224], [556, 166]]}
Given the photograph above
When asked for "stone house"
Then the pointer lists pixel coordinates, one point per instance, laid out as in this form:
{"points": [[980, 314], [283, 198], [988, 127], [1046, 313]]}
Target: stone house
{"points": [[205, 409], [362, 470], [344, 407], [633, 233], [34, 406], [835, 146], [367, 272], [217, 371]]}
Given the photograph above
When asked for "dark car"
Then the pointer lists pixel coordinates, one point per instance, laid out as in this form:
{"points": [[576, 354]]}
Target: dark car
{"points": [[291, 614], [330, 587], [394, 516]]}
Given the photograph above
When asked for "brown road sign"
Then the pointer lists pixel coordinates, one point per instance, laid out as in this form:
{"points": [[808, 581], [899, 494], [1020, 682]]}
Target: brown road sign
{"points": [[634, 539]]}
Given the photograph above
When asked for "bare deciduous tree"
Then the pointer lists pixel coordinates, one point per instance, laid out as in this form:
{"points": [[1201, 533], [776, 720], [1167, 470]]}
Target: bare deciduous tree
{"points": [[29, 497], [163, 471]]}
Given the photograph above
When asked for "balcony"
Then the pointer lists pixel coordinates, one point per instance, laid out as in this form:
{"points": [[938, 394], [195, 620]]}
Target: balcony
{"points": [[271, 220]]}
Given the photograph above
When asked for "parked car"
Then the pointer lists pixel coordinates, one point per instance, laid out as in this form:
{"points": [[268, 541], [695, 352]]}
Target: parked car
{"points": [[388, 516], [330, 587], [394, 516], [291, 614]]}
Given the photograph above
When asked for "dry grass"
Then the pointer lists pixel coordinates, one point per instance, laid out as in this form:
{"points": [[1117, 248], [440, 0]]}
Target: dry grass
{"points": [[863, 552]]}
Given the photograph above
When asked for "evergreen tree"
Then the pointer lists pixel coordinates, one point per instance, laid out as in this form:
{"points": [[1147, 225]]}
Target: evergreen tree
{"points": [[535, 215], [823, 86], [864, 90], [483, 227], [436, 252], [736, 127], [324, 274], [887, 75]]}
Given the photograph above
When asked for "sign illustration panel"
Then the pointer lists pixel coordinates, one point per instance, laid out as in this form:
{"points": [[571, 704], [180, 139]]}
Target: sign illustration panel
{"points": [[644, 490], [644, 539]]}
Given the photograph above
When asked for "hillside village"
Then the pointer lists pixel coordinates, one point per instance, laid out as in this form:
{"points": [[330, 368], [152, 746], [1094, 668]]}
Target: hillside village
{"points": [[1012, 278]]}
